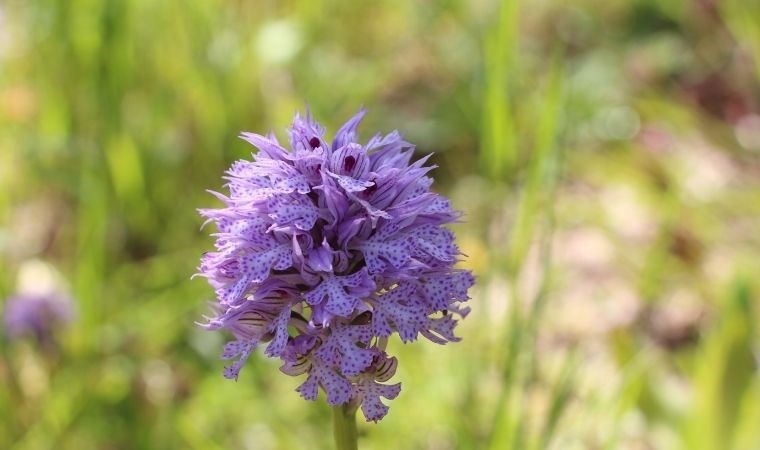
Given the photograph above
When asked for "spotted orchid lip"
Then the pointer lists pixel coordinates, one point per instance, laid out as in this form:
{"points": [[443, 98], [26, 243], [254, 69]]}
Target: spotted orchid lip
{"points": [[326, 250]]}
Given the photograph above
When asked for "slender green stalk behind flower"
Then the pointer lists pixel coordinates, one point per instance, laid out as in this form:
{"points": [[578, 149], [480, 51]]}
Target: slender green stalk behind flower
{"points": [[324, 251]]}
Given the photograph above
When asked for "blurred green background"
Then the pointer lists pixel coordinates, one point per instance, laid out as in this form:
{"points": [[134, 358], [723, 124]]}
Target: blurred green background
{"points": [[606, 154]]}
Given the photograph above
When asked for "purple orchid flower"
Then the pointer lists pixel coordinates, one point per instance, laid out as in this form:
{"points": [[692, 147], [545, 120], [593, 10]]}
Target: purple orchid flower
{"points": [[37, 315], [324, 251]]}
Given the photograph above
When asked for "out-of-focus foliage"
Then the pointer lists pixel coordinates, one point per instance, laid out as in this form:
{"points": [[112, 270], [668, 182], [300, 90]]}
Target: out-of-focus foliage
{"points": [[607, 156]]}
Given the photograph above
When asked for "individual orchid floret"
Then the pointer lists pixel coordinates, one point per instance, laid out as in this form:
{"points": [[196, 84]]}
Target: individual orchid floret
{"points": [[327, 249]]}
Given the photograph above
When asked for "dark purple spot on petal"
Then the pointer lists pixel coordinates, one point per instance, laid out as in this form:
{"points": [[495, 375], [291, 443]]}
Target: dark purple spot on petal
{"points": [[314, 142], [370, 190], [349, 163]]}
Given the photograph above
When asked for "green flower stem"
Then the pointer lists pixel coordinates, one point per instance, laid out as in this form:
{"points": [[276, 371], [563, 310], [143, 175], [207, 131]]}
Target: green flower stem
{"points": [[344, 427]]}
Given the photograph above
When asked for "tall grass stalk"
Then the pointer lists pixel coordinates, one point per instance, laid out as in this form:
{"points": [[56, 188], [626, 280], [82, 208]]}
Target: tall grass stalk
{"points": [[534, 223]]}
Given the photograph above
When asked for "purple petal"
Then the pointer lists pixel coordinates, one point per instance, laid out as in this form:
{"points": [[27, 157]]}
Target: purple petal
{"points": [[341, 349], [289, 209], [241, 348], [343, 293], [347, 133], [370, 392], [266, 145], [280, 329]]}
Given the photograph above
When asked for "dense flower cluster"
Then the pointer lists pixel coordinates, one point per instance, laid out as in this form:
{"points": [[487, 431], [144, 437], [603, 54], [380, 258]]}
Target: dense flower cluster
{"points": [[326, 250], [37, 314]]}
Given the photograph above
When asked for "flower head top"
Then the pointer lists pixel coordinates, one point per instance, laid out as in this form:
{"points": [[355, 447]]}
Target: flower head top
{"points": [[325, 250]]}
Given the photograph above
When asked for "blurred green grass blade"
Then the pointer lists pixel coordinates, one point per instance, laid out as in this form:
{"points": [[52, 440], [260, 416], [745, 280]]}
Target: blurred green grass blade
{"points": [[746, 435], [540, 180], [504, 421], [509, 429], [635, 379], [124, 163], [560, 398], [499, 134], [62, 406], [724, 373], [91, 247], [743, 20]]}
